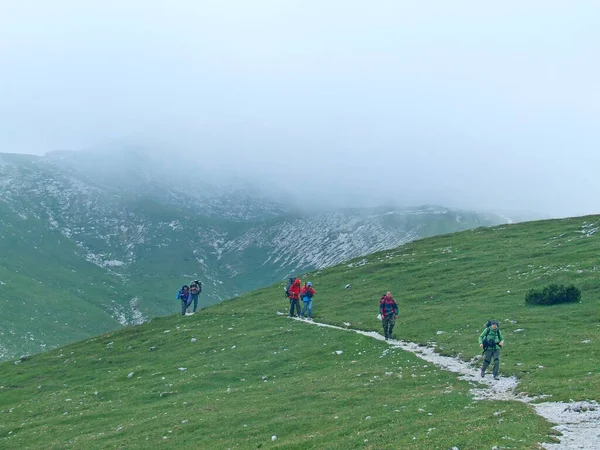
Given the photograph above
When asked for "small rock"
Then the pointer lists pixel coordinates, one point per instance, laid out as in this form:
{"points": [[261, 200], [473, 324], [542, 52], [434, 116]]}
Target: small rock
{"points": [[273, 438], [183, 369], [368, 418], [587, 341], [130, 375], [152, 349], [440, 332], [193, 340], [339, 352], [233, 347]]}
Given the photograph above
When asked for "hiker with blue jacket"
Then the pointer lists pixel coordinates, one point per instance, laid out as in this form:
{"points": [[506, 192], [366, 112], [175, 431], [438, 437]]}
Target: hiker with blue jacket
{"points": [[307, 295], [491, 341], [389, 312], [185, 297]]}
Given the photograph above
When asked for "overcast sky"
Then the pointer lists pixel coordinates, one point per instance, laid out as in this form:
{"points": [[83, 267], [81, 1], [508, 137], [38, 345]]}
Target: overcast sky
{"points": [[488, 105]]}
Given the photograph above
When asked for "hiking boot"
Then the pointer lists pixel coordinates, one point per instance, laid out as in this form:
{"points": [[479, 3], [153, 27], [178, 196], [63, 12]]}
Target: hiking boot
{"points": [[496, 377], [482, 372]]}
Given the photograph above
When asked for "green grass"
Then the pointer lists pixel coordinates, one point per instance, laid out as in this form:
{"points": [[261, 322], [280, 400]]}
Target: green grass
{"points": [[252, 374], [283, 378], [455, 283]]}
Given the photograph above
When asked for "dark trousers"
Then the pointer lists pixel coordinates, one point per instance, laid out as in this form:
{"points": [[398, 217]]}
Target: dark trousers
{"points": [[294, 303], [388, 325], [488, 355], [184, 306]]}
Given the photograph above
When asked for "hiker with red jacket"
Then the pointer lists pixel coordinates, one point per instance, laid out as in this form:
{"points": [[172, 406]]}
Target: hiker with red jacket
{"points": [[389, 312], [307, 295], [295, 297]]}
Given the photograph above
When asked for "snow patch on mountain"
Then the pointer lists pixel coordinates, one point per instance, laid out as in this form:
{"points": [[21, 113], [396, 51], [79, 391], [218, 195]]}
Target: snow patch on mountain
{"points": [[321, 241], [100, 260], [128, 316]]}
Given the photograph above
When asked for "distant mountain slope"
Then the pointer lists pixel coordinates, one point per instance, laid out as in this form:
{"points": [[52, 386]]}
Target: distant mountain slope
{"points": [[125, 235]]}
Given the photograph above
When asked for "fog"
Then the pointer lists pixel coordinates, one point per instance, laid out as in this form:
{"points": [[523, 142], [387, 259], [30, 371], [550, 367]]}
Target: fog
{"points": [[484, 105]]}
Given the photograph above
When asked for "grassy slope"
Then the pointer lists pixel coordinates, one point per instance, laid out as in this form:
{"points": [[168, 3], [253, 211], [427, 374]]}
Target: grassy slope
{"points": [[252, 374], [454, 283], [45, 287]]}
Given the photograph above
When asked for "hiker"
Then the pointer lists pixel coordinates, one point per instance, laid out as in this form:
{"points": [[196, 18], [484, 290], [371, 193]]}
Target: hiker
{"points": [[389, 312], [288, 286], [195, 290], [491, 341], [295, 297], [307, 295], [185, 297]]}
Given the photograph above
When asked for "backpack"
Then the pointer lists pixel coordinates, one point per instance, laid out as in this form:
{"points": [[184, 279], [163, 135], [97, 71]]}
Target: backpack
{"points": [[489, 343], [289, 285], [197, 283]]}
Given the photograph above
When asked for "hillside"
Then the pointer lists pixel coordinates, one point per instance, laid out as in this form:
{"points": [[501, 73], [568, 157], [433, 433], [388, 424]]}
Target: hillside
{"points": [[92, 241], [242, 375]]}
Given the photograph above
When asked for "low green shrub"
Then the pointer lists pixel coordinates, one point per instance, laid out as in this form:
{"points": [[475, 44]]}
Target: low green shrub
{"points": [[553, 294]]}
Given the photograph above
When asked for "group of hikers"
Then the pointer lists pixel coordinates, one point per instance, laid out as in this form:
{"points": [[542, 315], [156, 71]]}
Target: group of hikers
{"points": [[490, 339], [187, 295], [295, 292]]}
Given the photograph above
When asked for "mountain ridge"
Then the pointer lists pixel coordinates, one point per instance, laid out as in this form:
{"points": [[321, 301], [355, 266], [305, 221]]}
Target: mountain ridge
{"points": [[143, 239]]}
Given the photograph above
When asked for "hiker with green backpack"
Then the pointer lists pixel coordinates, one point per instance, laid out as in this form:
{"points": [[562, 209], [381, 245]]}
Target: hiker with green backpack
{"points": [[491, 341]]}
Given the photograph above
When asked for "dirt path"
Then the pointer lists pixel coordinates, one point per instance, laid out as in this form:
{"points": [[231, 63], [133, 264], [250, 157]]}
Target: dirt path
{"points": [[579, 422]]}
